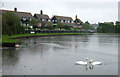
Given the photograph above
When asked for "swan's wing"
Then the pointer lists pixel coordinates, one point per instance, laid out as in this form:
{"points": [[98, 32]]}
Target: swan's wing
{"points": [[81, 62], [96, 63]]}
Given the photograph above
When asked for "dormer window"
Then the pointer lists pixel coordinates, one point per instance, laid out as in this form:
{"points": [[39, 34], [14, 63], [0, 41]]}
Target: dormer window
{"points": [[78, 23]]}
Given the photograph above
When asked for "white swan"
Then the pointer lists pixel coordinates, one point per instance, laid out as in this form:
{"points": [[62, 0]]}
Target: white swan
{"points": [[95, 62], [82, 62]]}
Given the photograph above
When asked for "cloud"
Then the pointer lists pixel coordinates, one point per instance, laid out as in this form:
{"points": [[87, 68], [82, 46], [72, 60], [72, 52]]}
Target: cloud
{"points": [[87, 10]]}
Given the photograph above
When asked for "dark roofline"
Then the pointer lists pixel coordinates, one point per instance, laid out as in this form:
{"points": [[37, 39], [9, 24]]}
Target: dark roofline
{"points": [[62, 16], [20, 14], [17, 11]]}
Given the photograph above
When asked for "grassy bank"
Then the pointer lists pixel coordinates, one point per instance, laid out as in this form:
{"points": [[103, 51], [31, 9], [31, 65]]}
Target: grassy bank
{"points": [[13, 38]]}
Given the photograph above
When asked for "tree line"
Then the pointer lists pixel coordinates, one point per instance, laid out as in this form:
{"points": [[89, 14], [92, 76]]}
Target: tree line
{"points": [[109, 27], [11, 24]]}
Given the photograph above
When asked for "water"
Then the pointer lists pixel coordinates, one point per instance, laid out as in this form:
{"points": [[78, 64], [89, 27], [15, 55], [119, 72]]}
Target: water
{"points": [[56, 55]]}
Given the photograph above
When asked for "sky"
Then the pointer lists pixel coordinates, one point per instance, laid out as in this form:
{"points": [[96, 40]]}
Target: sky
{"points": [[93, 11]]}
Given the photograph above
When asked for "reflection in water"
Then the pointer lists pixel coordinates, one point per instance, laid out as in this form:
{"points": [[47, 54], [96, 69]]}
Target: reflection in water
{"points": [[87, 67], [55, 55], [11, 55]]}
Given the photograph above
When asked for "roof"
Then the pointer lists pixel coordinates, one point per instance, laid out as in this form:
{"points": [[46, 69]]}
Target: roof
{"points": [[63, 18], [39, 16], [20, 14]]}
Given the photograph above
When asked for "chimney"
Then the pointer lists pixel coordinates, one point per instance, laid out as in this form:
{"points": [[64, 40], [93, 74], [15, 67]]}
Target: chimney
{"points": [[15, 9], [41, 12], [76, 17]]}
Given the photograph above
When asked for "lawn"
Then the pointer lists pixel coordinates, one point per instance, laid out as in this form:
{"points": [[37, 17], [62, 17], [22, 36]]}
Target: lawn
{"points": [[9, 39]]}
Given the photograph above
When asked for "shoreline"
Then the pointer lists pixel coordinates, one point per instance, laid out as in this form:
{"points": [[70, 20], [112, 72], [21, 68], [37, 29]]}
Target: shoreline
{"points": [[17, 37], [14, 39]]}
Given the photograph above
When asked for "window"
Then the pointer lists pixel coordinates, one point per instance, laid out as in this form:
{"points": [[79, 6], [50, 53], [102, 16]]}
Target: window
{"points": [[61, 20], [24, 18], [72, 21], [43, 19], [68, 21]]}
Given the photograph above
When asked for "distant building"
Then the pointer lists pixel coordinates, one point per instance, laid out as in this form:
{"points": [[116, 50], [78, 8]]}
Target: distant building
{"points": [[117, 22], [63, 19], [24, 16], [78, 22], [95, 25], [119, 11], [42, 17]]}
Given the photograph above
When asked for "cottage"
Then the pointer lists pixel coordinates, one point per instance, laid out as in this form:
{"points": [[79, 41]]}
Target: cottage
{"points": [[42, 17], [62, 19], [24, 16], [78, 22]]}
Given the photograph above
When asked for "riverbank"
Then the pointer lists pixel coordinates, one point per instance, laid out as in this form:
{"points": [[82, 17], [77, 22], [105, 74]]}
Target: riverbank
{"points": [[10, 41]]}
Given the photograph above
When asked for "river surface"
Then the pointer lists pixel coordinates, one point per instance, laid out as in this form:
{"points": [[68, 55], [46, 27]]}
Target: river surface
{"points": [[56, 55]]}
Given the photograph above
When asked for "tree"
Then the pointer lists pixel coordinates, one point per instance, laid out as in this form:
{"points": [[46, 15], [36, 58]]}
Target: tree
{"points": [[87, 23], [49, 25], [11, 24], [117, 27], [106, 28], [67, 27], [60, 25], [34, 23]]}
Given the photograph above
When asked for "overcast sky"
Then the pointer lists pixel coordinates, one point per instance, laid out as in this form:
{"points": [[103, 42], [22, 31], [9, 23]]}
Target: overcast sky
{"points": [[93, 11]]}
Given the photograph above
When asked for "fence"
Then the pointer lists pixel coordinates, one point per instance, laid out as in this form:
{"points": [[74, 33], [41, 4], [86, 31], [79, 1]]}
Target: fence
{"points": [[53, 31]]}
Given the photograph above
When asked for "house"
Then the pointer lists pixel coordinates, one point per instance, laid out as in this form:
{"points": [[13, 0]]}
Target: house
{"points": [[43, 18], [62, 19], [24, 16], [95, 25], [78, 22]]}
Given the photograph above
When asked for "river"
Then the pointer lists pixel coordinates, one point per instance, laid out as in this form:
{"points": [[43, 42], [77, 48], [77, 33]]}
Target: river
{"points": [[56, 55]]}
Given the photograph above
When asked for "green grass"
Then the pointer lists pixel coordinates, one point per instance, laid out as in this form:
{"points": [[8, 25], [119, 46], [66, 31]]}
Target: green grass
{"points": [[8, 39]]}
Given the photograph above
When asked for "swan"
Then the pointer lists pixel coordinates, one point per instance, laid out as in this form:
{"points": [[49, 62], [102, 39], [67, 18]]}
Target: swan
{"points": [[82, 62], [95, 62]]}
